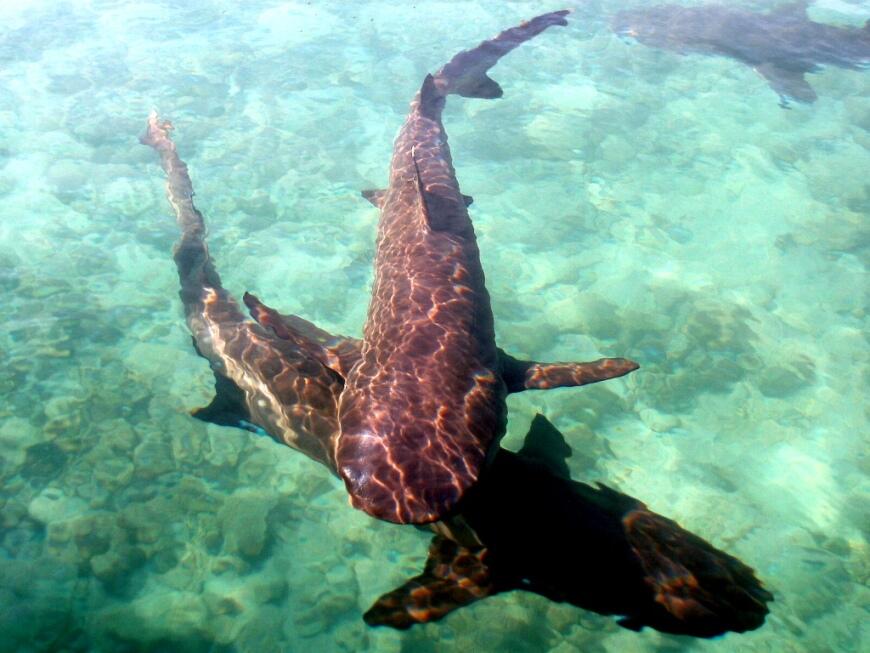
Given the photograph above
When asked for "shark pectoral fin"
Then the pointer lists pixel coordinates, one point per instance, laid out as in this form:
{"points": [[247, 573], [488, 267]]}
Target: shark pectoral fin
{"points": [[375, 196], [789, 84], [228, 406], [468, 199], [454, 576], [529, 375], [546, 445]]}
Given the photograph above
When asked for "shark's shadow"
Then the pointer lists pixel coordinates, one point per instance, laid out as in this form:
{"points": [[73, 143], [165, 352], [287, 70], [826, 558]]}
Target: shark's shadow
{"points": [[595, 548]]}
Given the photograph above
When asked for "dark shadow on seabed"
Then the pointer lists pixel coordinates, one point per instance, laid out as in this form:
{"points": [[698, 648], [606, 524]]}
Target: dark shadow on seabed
{"points": [[595, 548]]}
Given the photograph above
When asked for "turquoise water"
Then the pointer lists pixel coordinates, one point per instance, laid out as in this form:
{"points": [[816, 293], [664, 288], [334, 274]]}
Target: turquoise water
{"points": [[628, 202]]}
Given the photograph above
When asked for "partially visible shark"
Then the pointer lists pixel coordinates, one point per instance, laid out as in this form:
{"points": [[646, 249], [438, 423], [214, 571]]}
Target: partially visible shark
{"points": [[524, 524], [782, 45]]}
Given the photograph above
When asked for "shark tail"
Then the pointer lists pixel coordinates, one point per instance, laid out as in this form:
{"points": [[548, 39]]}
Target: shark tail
{"points": [[203, 295], [465, 74]]}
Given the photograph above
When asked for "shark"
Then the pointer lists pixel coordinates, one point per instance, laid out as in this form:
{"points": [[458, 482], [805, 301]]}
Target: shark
{"points": [[781, 45], [524, 524], [424, 407]]}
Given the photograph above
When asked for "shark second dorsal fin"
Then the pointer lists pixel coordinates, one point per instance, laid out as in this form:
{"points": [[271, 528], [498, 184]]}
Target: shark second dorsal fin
{"points": [[545, 444], [454, 576]]}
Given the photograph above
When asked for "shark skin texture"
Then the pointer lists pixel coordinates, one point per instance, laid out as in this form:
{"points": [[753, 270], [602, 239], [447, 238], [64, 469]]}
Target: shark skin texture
{"points": [[781, 45], [524, 525], [424, 408], [434, 455]]}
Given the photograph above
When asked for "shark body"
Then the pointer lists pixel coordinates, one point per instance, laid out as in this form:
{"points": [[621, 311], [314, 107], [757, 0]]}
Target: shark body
{"points": [[781, 45], [424, 407], [524, 524]]}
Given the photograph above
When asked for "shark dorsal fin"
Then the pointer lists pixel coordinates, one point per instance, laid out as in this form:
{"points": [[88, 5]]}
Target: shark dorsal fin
{"points": [[546, 445], [335, 352], [441, 210]]}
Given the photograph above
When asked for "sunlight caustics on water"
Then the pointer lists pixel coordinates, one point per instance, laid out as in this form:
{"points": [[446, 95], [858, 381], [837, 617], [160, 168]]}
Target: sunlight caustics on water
{"points": [[628, 201]]}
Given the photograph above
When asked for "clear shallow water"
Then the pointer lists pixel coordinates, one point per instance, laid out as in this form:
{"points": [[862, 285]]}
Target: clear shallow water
{"points": [[627, 202]]}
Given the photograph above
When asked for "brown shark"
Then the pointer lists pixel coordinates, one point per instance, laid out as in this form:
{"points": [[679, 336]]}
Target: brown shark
{"points": [[425, 404], [524, 526]]}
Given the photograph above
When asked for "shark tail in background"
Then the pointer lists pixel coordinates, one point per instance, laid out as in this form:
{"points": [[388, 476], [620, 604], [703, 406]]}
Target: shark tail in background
{"points": [[272, 382]]}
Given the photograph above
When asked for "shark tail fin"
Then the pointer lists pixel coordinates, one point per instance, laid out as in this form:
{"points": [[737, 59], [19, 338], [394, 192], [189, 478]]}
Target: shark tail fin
{"points": [[207, 304], [454, 576], [465, 74], [195, 268]]}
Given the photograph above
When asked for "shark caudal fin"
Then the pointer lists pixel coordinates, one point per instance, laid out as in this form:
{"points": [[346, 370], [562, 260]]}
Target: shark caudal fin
{"points": [[465, 74], [200, 283]]}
